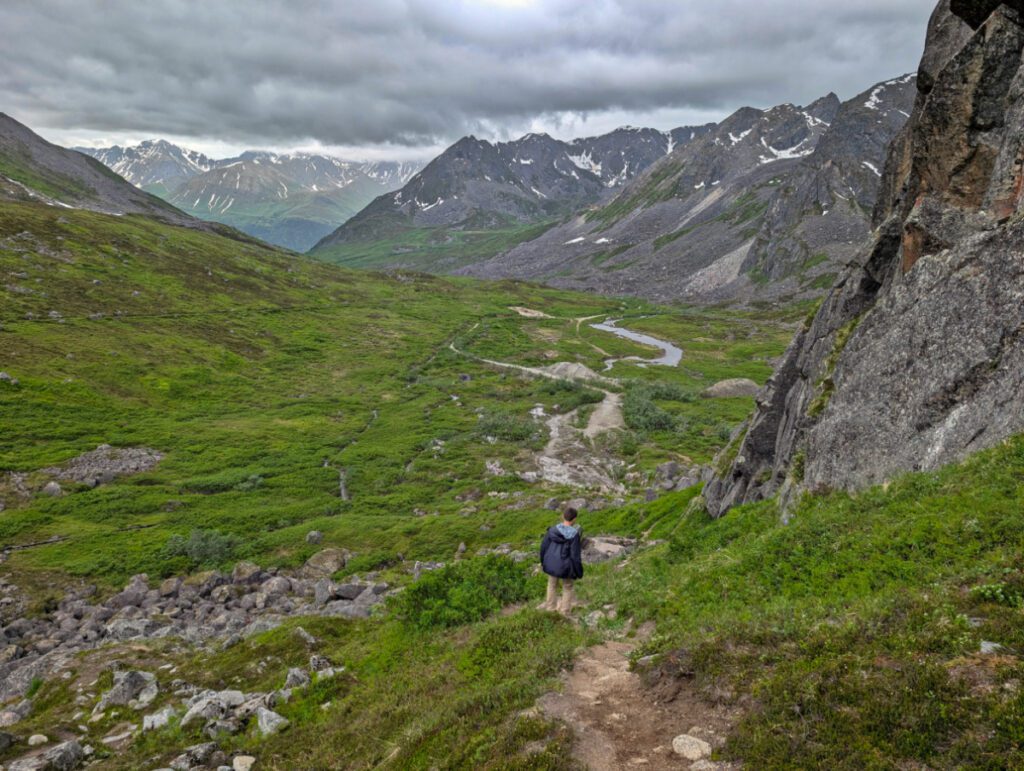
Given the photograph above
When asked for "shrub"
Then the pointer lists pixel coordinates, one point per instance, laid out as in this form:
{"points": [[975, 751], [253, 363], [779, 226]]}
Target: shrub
{"points": [[570, 394], [642, 414], [996, 594], [461, 592], [202, 547], [254, 482], [505, 426]]}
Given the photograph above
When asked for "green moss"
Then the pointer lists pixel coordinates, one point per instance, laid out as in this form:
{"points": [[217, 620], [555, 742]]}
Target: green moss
{"points": [[826, 385]]}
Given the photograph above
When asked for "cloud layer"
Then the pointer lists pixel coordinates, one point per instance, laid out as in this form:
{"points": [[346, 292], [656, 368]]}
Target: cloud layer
{"points": [[424, 72]]}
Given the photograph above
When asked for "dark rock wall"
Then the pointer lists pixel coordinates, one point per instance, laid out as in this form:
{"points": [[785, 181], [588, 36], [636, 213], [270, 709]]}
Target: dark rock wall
{"points": [[916, 357]]}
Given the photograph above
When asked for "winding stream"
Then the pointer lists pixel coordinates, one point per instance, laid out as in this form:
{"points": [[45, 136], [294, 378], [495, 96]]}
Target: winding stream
{"points": [[670, 357]]}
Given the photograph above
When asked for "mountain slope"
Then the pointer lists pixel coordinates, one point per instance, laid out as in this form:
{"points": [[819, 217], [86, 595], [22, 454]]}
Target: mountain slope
{"points": [[477, 192], [33, 169], [291, 200], [915, 358], [766, 205], [157, 166]]}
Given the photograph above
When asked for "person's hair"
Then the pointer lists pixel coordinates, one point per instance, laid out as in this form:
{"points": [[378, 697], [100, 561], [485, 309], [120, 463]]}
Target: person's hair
{"points": [[569, 514]]}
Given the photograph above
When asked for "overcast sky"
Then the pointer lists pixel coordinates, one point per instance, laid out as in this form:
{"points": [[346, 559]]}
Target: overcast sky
{"points": [[404, 78]]}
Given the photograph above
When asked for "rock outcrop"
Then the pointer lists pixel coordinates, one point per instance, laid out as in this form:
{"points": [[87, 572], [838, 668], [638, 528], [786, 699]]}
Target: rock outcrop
{"points": [[916, 357]]}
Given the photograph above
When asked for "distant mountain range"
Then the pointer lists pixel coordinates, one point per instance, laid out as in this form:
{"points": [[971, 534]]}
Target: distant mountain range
{"points": [[291, 200], [767, 204], [478, 196]]}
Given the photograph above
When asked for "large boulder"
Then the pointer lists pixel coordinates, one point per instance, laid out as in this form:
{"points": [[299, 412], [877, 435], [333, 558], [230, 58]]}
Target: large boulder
{"points": [[732, 388], [325, 563]]}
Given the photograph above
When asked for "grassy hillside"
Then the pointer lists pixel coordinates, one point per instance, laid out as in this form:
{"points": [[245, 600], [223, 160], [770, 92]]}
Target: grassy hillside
{"points": [[297, 222], [849, 638], [435, 250], [261, 377]]}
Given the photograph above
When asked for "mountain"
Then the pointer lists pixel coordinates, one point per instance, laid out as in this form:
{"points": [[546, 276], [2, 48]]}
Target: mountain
{"points": [[291, 200], [157, 166], [478, 197], [33, 169], [765, 206], [914, 359]]}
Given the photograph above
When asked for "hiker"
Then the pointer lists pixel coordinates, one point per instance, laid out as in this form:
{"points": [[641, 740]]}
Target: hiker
{"points": [[561, 558]]}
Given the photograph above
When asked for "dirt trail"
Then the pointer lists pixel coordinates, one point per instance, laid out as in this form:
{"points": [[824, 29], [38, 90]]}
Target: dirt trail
{"points": [[567, 458], [619, 724]]}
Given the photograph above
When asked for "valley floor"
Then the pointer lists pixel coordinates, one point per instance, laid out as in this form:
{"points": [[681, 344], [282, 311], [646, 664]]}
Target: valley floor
{"points": [[281, 409]]}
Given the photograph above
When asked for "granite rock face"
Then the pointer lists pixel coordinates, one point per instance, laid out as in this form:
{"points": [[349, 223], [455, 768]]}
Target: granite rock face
{"points": [[916, 357]]}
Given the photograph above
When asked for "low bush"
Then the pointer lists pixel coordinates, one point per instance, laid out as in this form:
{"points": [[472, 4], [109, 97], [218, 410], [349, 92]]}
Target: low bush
{"points": [[461, 592], [505, 426], [202, 547]]}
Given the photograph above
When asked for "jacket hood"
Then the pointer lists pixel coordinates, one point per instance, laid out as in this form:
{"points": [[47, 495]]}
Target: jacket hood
{"points": [[561, 533]]}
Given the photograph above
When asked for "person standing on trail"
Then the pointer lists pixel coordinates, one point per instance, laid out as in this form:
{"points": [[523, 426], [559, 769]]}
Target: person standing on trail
{"points": [[561, 557]]}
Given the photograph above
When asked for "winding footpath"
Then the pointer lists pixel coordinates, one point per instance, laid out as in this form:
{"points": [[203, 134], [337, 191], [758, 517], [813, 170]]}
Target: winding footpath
{"points": [[568, 457]]}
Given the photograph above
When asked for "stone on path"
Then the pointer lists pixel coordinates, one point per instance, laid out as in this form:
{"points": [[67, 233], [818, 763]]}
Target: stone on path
{"points": [[690, 747]]}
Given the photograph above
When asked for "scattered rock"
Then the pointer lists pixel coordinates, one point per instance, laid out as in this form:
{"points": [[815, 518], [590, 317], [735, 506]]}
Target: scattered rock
{"points": [[668, 470], [314, 537], [53, 490], [606, 547], [64, 756], [989, 648], [325, 562], [731, 388], [243, 763], [158, 719], [36, 740], [245, 573], [197, 755], [6, 741], [690, 747], [297, 678], [270, 722], [106, 463], [131, 688]]}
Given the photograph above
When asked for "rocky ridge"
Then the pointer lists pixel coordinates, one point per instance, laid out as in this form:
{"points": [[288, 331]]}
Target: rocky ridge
{"points": [[768, 204], [481, 185], [914, 359]]}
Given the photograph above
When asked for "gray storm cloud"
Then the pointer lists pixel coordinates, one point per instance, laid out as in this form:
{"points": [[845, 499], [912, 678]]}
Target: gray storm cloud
{"points": [[419, 72]]}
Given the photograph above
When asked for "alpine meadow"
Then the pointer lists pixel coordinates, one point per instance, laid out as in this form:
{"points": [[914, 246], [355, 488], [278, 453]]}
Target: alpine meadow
{"points": [[371, 399]]}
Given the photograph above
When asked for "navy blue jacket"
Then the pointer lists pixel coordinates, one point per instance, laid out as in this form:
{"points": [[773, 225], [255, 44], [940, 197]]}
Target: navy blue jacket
{"points": [[562, 557]]}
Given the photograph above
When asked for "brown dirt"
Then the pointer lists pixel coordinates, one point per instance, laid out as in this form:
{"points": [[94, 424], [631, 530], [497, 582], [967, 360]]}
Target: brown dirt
{"points": [[618, 722]]}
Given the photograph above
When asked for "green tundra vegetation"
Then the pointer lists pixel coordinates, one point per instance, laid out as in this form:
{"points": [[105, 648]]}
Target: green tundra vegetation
{"points": [[847, 638], [262, 377], [433, 249]]}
